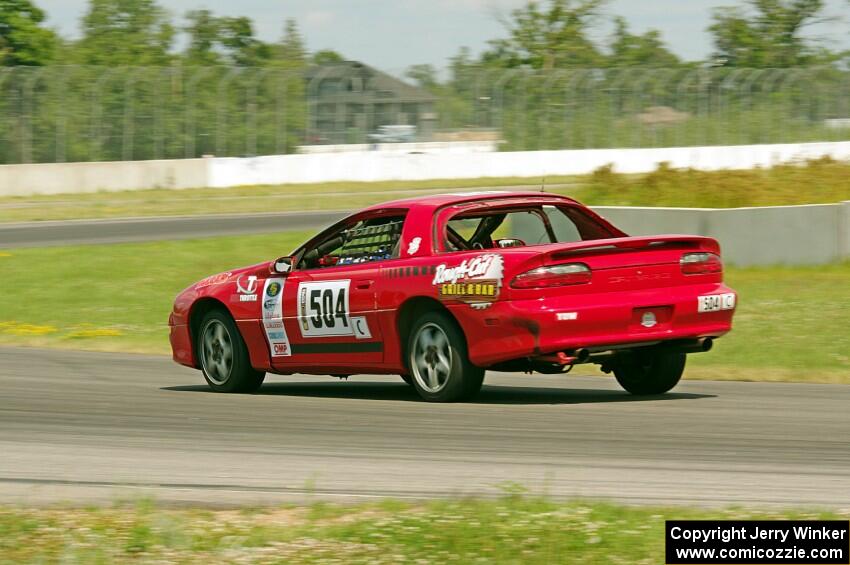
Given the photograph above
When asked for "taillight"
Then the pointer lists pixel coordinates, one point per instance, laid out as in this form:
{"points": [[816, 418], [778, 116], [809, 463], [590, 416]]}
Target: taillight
{"points": [[700, 263], [556, 275]]}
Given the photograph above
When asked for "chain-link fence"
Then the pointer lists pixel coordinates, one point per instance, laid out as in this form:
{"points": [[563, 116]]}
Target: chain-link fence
{"points": [[61, 114]]}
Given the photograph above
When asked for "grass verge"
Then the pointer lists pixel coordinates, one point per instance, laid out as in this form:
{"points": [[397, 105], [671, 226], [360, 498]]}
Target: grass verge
{"points": [[819, 181], [791, 323], [510, 530]]}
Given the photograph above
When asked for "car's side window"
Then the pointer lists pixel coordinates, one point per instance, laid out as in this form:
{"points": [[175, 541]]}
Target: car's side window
{"points": [[374, 239], [564, 228]]}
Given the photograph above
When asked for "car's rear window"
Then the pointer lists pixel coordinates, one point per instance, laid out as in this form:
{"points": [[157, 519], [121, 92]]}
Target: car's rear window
{"points": [[518, 226]]}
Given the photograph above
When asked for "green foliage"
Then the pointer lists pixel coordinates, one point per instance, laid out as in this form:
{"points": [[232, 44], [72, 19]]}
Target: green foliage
{"points": [[647, 50], [327, 57], [770, 37], [817, 181], [125, 32], [23, 40], [203, 30], [553, 36], [510, 530], [424, 76]]}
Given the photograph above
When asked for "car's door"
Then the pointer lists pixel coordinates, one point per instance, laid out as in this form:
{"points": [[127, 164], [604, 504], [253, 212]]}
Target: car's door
{"points": [[329, 299]]}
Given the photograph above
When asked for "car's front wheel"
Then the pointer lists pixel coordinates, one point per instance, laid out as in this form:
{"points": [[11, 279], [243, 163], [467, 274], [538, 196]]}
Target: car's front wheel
{"points": [[649, 372], [224, 356], [438, 360]]}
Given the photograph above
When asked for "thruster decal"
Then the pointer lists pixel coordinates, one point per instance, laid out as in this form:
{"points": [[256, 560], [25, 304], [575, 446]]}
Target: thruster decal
{"points": [[273, 318]]}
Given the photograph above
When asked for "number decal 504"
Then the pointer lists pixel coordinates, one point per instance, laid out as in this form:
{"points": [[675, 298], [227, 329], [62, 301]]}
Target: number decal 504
{"points": [[323, 309]]}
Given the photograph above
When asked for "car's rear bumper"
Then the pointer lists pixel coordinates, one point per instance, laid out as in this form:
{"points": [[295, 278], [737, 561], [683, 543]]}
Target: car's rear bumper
{"points": [[514, 329]]}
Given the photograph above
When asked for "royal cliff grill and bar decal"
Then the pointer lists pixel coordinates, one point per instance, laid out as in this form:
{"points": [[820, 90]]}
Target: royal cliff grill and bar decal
{"points": [[751, 541]]}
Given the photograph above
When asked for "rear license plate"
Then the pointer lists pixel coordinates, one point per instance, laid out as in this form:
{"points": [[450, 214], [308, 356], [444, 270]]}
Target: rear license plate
{"points": [[715, 302]]}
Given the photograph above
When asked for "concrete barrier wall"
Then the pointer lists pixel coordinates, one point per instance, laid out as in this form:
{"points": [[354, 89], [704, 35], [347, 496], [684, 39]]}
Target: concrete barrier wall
{"points": [[775, 235], [366, 166], [68, 178], [21, 180]]}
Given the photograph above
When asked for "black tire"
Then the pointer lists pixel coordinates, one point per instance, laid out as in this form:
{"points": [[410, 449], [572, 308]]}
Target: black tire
{"points": [[225, 372], [438, 361], [407, 378], [649, 372]]}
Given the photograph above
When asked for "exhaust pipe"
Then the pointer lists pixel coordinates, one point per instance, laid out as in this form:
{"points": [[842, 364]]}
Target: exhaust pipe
{"points": [[582, 355], [564, 358], [700, 345]]}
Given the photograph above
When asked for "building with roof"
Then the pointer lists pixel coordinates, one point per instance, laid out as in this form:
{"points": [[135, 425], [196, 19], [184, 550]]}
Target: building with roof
{"points": [[349, 102]]}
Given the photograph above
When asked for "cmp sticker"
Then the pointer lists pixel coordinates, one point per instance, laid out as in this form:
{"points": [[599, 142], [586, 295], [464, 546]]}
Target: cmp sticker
{"points": [[476, 281], [273, 318], [323, 309]]}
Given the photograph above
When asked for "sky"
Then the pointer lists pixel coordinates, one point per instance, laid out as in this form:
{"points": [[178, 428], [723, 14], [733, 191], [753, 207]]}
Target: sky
{"points": [[394, 34]]}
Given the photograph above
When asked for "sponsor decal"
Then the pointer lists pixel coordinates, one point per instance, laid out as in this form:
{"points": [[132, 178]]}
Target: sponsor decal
{"points": [[323, 309], [273, 318], [273, 289], [361, 327], [249, 287], [566, 316], [413, 247], [246, 288], [476, 281], [215, 279]]}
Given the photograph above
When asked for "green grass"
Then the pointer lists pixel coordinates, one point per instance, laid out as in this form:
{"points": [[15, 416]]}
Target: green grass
{"points": [[820, 181], [791, 323], [115, 297], [509, 530]]}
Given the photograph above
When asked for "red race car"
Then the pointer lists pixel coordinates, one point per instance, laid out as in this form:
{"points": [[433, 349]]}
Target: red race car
{"points": [[439, 289]]}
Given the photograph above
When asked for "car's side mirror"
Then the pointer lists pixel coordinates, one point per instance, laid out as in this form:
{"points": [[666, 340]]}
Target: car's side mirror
{"points": [[281, 266]]}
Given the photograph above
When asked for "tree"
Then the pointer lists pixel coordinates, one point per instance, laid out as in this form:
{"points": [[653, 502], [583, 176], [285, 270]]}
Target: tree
{"points": [[648, 50], [327, 57], [239, 43], [769, 37], [125, 32], [548, 37], [203, 29], [22, 39], [424, 76], [290, 51], [223, 40]]}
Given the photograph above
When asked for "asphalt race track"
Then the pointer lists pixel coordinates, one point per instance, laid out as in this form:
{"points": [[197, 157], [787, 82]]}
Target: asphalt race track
{"points": [[123, 230], [89, 427]]}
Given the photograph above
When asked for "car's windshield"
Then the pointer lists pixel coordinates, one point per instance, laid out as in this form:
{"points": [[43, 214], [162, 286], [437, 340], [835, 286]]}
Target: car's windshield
{"points": [[520, 226]]}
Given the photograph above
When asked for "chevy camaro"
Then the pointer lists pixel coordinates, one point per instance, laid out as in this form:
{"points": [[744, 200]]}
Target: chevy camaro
{"points": [[439, 289]]}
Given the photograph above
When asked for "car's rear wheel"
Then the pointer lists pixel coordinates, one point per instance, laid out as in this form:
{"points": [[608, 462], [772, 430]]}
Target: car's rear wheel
{"points": [[438, 360], [649, 372], [224, 356]]}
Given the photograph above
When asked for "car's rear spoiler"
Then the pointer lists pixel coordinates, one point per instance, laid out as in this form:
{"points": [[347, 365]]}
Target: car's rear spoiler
{"points": [[634, 243]]}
